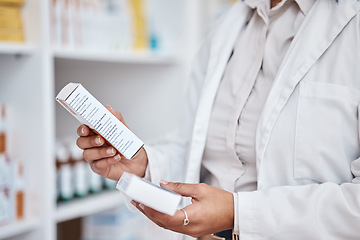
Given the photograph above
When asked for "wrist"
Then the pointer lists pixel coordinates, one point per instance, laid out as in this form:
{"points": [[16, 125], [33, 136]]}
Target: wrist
{"points": [[143, 159]]}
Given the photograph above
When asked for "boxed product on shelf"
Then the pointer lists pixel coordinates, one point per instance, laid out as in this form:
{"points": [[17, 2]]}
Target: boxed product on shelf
{"points": [[12, 2], [106, 25], [11, 26]]}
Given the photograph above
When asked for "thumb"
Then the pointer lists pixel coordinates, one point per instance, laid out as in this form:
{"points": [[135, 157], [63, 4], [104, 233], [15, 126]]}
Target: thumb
{"points": [[116, 114], [184, 189]]}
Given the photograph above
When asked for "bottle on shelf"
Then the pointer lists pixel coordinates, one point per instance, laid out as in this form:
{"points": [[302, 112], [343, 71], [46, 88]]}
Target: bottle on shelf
{"points": [[79, 170], [65, 186], [19, 190], [2, 128], [109, 184], [5, 171], [95, 181], [6, 202]]}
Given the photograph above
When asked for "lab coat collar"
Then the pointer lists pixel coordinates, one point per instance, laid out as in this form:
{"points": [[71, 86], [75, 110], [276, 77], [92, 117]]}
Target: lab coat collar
{"points": [[305, 5], [323, 24]]}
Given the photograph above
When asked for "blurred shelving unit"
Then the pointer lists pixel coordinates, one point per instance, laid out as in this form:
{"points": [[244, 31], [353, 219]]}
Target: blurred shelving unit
{"points": [[89, 205], [15, 229], [114, 57], [148, 89], [16, 48]]}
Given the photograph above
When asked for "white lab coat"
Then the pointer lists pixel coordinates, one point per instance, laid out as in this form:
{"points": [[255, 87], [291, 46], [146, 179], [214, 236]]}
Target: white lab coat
{"points": [[307, 140]]}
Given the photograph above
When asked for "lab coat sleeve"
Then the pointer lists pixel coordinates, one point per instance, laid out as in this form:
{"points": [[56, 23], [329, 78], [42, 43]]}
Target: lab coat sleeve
{"points": [[167, 159], [315, 211]]}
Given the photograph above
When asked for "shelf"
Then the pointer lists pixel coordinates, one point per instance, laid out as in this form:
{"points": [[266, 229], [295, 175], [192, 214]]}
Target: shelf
{"points": [[103, 56], [16, 48], [89, 205], [14, 229]]}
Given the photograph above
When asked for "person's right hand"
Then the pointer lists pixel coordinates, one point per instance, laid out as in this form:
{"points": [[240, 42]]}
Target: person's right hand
{"points": [[104, 159]]}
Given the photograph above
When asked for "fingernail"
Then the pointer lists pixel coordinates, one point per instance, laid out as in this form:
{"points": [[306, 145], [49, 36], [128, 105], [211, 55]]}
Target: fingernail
{"points": [[97, 141], [110, 151], [108, 106], [82, 130], [141, 206], [164, 182], [117, 157]]}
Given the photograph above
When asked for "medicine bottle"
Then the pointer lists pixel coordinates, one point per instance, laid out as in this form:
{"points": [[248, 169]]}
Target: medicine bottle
{"points": [[79, 170], [65, 184], [95, 181], [19, 190], [2, 129], [109, 184]]}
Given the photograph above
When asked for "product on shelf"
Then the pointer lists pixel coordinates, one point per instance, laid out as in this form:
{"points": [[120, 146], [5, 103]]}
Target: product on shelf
{"points": [[19, 190], [12, 2], [2, 128], [109, 184], [75, 178], [141, 38], [11, 26], [66, 190], [95, 181], [12, 190], [79, 170], [99, 25], [5, 184]]}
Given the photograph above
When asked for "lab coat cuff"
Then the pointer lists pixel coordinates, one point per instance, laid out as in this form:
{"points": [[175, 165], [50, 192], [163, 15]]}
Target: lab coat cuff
{"points": [[246, 225], [152, 172], [236, 218]]}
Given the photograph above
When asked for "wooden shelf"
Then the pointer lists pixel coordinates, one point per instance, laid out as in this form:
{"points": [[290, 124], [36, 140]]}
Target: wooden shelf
{"points": [[16, 48], [14, 229], [103, 56], [89, 205]]}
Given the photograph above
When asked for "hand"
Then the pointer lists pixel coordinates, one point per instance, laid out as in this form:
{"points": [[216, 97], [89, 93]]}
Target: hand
{"points": [[104, 159], [211, 211]]}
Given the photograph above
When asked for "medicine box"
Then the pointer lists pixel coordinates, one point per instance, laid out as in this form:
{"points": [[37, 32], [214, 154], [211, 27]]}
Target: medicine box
{"points": [[89, 111], [149, 194]]}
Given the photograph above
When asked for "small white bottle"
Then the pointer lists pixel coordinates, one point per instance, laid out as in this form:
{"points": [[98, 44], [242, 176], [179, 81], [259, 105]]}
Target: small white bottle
{"points": [[64, 173], [109, 184], [79, 170]]}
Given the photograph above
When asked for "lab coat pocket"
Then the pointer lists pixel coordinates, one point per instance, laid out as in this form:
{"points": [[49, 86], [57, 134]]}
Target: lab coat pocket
{"points": [[327, 132]]}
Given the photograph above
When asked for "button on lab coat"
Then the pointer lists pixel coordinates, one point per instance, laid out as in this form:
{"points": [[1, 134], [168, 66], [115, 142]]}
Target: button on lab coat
{"points": [[307, 140]]}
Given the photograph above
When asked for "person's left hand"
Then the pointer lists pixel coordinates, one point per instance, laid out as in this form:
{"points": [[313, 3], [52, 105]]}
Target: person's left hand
{"points": [[211, 211]]}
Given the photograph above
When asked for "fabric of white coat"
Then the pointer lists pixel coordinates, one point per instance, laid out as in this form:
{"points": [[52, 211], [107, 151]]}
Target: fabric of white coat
{"points": [[307, 141]]}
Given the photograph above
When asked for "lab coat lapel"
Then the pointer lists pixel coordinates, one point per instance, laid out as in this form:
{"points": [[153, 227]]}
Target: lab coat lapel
{"points": [[322, 25], [221, 48]]}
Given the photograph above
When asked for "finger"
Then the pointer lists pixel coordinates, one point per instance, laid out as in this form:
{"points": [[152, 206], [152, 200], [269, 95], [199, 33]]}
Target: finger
{"points": [[84, 131], [161, 219], [116, 114], [90, 142], [93, 154], [101, 165], [184, 189]]}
